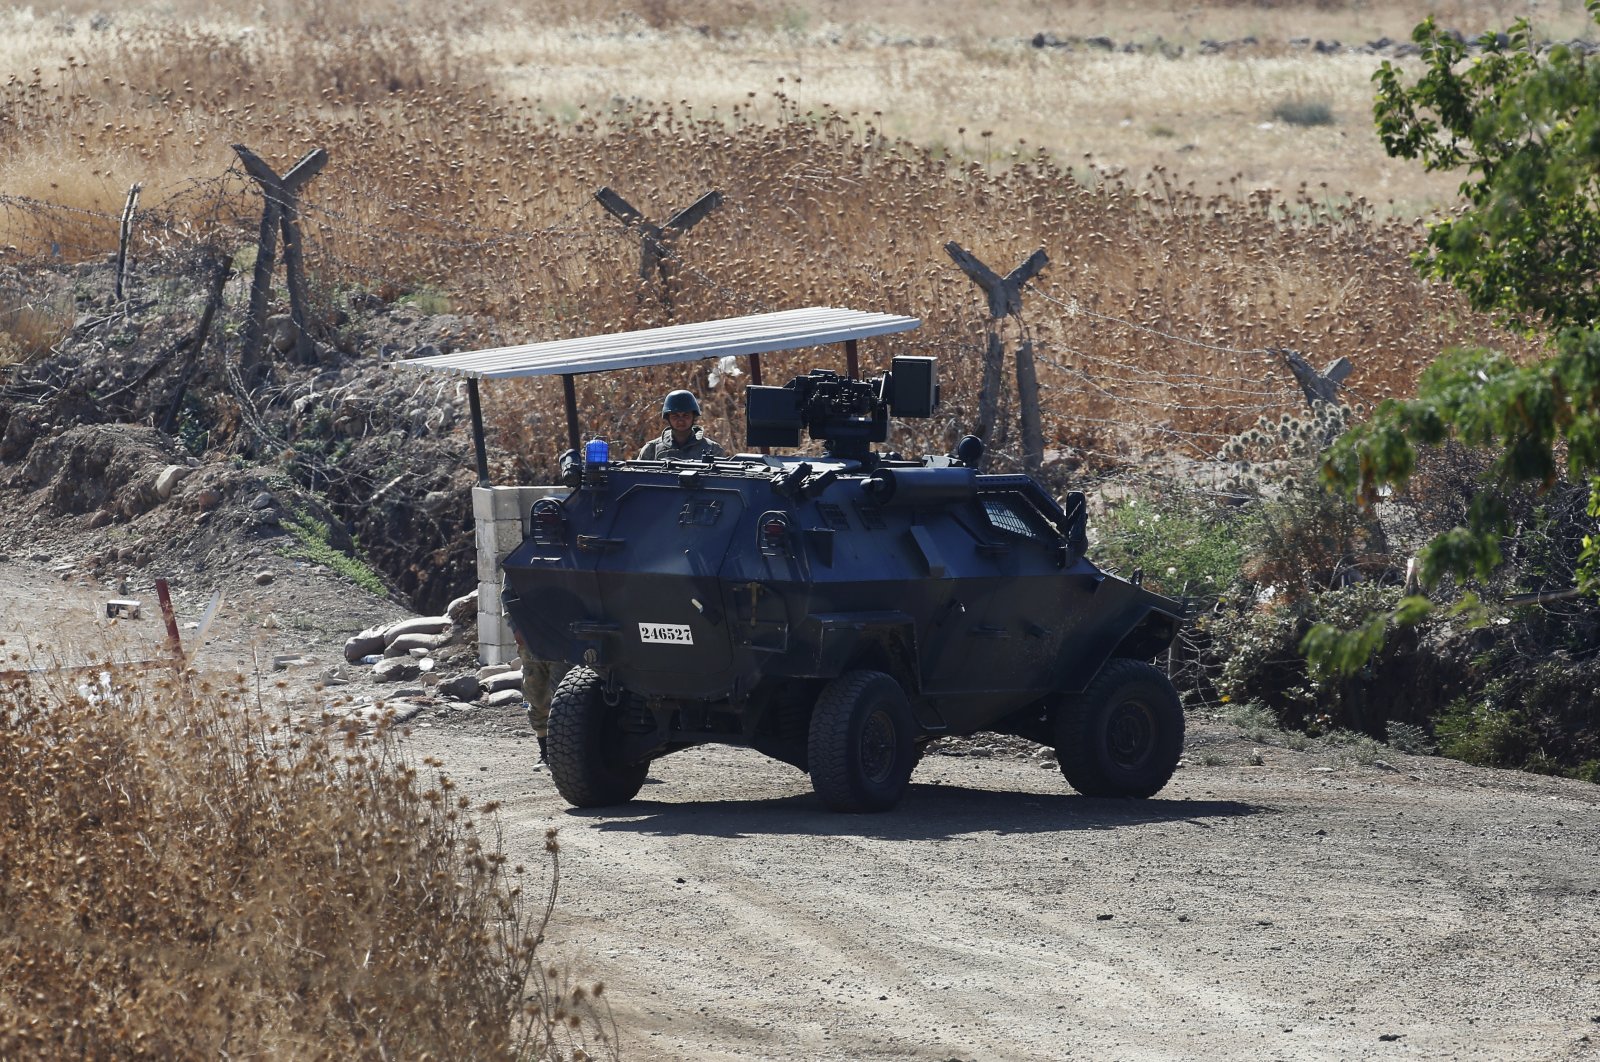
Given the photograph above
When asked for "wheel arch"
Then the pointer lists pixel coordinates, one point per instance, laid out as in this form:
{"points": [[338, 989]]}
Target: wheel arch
{"points": [[1149, 637]]}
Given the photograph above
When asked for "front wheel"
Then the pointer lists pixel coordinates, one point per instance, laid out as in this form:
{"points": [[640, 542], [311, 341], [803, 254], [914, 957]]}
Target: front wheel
{"points": [[862, 747], [1122, 736], [583, 743]]}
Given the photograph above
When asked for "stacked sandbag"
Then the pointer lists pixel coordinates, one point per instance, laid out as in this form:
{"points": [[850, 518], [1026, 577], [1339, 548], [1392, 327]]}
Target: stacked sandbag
{"points": [[403, 651], [500, 684], [399, 651]]}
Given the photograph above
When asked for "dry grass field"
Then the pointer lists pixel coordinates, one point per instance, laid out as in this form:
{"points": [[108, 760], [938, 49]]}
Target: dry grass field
{"points": [[1189, 229], [970, 84]]}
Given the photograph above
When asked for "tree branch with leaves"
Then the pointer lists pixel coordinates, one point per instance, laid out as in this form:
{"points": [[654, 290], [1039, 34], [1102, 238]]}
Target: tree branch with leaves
{"points": [[1523, 122]]}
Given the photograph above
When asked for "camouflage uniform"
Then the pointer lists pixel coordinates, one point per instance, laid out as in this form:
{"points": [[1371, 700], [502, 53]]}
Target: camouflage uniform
{"points": [[539, 681], [698, 448]]}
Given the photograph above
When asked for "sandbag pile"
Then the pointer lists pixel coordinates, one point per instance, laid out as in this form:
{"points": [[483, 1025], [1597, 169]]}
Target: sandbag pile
{"points": [[406, 651], [400, 651]]}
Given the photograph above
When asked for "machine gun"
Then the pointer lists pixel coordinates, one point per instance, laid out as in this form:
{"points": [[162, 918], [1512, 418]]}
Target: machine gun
{"points": [[847, 415]]}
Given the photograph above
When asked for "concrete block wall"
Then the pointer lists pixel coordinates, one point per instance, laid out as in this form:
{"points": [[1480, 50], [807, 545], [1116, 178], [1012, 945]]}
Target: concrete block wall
{"points": [[500, 522]]}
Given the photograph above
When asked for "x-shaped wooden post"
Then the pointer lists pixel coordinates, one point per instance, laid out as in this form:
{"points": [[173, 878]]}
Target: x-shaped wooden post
{"points": [[655, 241], [1316, 386], [282, 210], [1005, 300]]}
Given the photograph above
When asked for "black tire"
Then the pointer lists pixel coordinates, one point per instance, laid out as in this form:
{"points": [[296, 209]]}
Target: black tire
{"points": [[582, 745], [862, 744], [1122, 736]]}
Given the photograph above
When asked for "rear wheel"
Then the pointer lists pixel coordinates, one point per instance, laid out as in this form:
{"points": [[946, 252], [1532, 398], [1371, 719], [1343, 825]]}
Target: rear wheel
{"points": [[1121, 736], [583, 742], [861, 748]]}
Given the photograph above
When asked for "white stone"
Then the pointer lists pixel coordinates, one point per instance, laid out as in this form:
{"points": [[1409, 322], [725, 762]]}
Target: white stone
{"points": [[168, 479]]}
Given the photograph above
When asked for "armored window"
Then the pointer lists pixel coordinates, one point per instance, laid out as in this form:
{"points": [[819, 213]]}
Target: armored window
{"points": [[1014, 514]]}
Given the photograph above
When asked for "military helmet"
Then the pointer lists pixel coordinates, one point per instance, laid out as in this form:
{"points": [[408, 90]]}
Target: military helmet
{"points": [[680, 402]]}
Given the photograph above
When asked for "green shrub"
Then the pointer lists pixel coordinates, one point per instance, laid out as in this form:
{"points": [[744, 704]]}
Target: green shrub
{"points": [[1477, 729], [1256, 720], [1300, 111], [1307, 540], [1543, 717], [1414, 740], [1257, 659], [1185, 542], [1353, 747]]}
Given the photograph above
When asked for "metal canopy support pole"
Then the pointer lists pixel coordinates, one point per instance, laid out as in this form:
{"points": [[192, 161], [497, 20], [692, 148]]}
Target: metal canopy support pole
{"points": [[571, 393], [755, 381], [477, 431], [852, 366]]}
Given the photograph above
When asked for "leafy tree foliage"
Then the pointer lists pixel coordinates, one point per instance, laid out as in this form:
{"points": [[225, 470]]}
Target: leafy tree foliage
{"points": [[1526, 127], [1524, 123]]}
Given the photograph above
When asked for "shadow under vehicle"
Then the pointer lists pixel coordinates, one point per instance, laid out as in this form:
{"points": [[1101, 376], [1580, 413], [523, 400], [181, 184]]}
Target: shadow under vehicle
{"points": [[835, 612]]}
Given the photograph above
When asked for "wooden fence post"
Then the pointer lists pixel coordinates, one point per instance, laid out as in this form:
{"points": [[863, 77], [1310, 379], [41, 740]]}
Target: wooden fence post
{"points": [[220, 270], [1005, 300], [656, 241], [281, 211], [124, 234]]}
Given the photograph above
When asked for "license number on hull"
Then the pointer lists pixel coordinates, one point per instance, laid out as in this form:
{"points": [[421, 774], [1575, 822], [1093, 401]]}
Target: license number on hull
{"points": [[666, 633]]}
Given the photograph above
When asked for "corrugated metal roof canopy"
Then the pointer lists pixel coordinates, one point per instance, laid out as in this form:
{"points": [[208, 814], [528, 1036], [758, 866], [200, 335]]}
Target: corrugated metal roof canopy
{"points": [[754, 334]]}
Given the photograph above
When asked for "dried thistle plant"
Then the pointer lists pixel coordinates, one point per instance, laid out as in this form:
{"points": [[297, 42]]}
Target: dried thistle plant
{"points": [[183, 875]]}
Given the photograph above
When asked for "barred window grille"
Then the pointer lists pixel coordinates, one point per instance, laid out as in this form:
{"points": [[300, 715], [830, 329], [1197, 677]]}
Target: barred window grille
{"points": [[833, 516], [1009, 512]]}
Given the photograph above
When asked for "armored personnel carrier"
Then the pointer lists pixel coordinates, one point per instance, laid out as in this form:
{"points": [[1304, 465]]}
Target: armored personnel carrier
{"points": [[836, 611]]}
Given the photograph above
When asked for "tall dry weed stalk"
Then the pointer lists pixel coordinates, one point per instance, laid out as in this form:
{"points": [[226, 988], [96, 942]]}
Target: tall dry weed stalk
{"points": [[182, 876], [1151, 324], [31, 320]]}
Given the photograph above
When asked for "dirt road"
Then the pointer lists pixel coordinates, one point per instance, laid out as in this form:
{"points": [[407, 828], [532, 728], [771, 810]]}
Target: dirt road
{"points": [[1306, 908], [1310, 907]]}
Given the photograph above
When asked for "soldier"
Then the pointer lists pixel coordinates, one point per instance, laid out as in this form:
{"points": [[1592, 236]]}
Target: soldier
{"points": [[539, 681], [682, 441]]}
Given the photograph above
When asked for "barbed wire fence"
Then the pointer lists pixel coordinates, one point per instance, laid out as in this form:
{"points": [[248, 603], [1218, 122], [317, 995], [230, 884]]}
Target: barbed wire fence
{"points": [[1117, 410], [1111, 417], [1102, 411]]}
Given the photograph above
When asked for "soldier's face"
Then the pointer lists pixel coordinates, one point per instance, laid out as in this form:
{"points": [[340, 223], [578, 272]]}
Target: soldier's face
{"points": [[681, 423]]}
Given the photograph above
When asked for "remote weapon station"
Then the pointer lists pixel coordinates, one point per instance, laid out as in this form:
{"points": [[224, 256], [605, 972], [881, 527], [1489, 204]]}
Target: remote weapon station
{"points": [[835, 612]]}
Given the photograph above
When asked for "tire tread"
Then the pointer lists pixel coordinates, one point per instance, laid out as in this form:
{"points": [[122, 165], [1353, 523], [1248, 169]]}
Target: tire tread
{"points": [[1076, 744], [573, 747], [832, 735]]}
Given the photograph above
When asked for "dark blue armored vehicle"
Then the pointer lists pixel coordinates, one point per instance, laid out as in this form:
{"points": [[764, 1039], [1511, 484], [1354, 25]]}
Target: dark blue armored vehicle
{"points": [[836, 612]]}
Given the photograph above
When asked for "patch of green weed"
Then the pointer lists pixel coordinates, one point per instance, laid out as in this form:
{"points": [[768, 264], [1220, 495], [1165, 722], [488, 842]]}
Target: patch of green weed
{"points": [[1184, 543], [311, 544]]}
